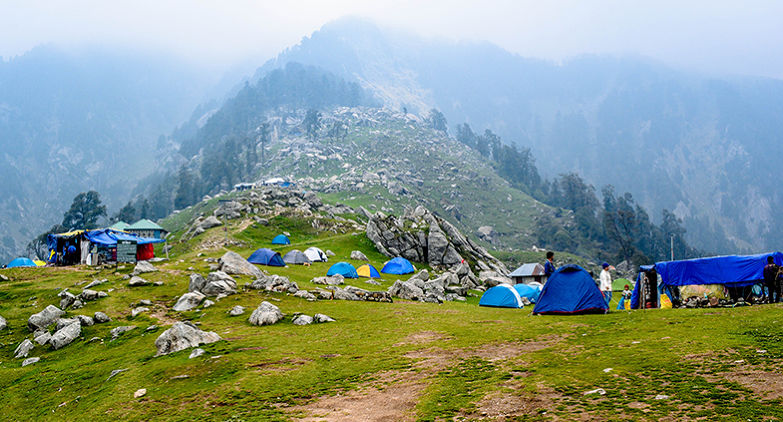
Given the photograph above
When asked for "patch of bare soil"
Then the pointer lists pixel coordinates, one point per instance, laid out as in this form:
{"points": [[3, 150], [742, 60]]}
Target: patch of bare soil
{"points": [[160, 315], [282, 365], [422, 337], [766, 385]]}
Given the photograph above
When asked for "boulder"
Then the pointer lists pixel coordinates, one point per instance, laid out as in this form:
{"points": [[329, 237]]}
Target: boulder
{"points": [[237, 311], [208, 303], [197, 282], [30, 361], [359, 256], [96, 283], [66, 299], [143, 267], [266, 314], [137, 281], [233, 263], [65, 335], [302, 320], [3, 323], [196, 353], [274, 283], [23, 349], [334, 280], [44, 318], [88, 295], [189, 301], [321, 318], [118, 331], [85, 321], [329, 252], [100, 317], [219, 283], [406, 290], [210, 222], [64, 322], [42, 337], [493, 278], [304, 294], [339, 294], [138, 310], [181, 336]]}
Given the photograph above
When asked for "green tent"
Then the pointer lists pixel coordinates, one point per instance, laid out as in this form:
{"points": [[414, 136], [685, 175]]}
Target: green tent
{"points": [[618, 284]]}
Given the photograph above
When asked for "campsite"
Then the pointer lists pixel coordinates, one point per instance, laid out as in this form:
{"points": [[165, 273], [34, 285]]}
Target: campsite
{"points": [[433, 360]]}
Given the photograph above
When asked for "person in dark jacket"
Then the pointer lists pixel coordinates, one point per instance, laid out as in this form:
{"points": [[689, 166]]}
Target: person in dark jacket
{"points": [[549, 265], [770, 280]]}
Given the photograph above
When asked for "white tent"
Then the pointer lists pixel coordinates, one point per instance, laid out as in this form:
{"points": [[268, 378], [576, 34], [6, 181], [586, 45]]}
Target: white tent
{"points": [[316, 255]]}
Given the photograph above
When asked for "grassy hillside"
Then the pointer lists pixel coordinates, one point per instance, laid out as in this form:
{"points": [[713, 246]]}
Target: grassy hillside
{"points": [[398, 361]]}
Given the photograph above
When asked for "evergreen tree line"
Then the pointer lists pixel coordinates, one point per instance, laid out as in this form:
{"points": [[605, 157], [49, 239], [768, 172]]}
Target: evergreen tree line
{"points": [[615, 228]]}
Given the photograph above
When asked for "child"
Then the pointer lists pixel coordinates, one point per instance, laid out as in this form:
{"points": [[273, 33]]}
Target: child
{"points": [[627, 293]]}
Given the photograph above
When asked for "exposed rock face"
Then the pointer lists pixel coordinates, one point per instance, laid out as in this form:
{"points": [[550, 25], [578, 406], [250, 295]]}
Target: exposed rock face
{"points": [[266, 314], [23, 349], [422, 236], [218, 283], [189, 301], [233, 263], [359, 256], [143, 267], [181, 336], [197, 282], [492, 278], [66, 335], [210, 222], [45, 318]]}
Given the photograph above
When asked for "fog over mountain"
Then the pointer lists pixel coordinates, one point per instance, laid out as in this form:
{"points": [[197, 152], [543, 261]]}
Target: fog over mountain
{"points": [[702, 146]]}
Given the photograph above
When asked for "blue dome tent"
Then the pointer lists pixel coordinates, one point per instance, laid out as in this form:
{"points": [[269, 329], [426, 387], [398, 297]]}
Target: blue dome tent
{"points": [[398, 265], [266, 256], [501, 296], [530, 292], [21, 262], [570, 290], [281, 239], [343, 268]]}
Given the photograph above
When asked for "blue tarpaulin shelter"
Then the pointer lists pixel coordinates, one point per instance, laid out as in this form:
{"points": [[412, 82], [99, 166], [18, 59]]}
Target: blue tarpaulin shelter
{"points": [[398, 265], [343, 268], [570, 290], [501, 296], [530, 292], [266, 256], [21, 262], [281, 239]]}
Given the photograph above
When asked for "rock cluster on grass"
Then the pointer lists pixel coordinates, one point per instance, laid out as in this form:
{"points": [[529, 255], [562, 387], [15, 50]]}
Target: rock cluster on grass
{"points": [[333, 280], [216, 283], [493, 278], [181, 336], [23, 349], [446, 287], [45, 318], [421, 236], [274, 283], [65, 335], [266, 314], [233, 263]]}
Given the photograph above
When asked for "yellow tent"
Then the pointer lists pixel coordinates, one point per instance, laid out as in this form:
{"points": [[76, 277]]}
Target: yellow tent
{"points": [[368, 271], [39, 263]]}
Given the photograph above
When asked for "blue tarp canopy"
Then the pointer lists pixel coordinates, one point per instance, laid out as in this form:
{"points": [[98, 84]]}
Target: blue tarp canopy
{"points": [[343, 268], [21, 262], [501, 296], [281, 239], [266, 256], [570, 290], [530, 292], [398, 265], [733, 270], [108, 237]]}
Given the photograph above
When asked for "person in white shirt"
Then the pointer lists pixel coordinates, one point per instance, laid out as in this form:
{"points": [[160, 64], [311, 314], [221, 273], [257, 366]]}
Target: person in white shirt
{"points": [[605, 283]]}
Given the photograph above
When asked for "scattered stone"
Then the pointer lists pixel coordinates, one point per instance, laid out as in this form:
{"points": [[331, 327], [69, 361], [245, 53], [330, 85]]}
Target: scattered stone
{"points": [[493, 278], [302, 320], [137, 281], [321, 318], [208, 303], [85, 321], [44, 318], [95, 283], [233, 263], [115, 372], [118, 331], [329, 253], [196, 353], [607, 370], [180, 377], [136, 311], [334, 280], [42, 337], [151, 328], [189, 301], [599, 391], [373, 282], [30, 361], [103, 294], [157, 283], [359, 256], [88, 295], [661, 397], [274, 283], [197, 282], [139, 393], [145, 302], [210, 222], [3, 323], [23, 349], [266, 314], [66, 299], [66, 335], [100, 317], [181, 336], [406, 290], [304, 294], [237, 310], [143, 267]]}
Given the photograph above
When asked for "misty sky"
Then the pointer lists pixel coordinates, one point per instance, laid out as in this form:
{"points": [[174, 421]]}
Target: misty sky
{"points": [[722, 37]]}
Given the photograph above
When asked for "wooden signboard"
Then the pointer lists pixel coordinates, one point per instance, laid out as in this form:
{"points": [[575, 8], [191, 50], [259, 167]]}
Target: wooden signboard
{"points": [[126, 251]]}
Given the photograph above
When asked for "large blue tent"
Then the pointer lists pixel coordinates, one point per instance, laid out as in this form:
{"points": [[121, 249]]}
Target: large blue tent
{"points": [[501, 296], [21, 262], [266, 256], [570, 290], [281, 239], [530, 292], [344, 269], [398, 265]]}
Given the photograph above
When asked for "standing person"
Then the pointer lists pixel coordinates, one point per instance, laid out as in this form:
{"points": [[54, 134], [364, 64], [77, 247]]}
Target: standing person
{"points": [[549, 265], [605, 283], [770, 275]]}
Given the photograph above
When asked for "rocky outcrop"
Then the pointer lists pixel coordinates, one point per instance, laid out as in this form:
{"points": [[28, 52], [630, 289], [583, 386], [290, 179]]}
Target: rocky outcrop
{"points": [[45, 318], [333, 280], [219, 283], [64, 336], [266, 314], [274, 283], [445, 287], [422, 236], [181, 336], [233, 263], [189, 301]]}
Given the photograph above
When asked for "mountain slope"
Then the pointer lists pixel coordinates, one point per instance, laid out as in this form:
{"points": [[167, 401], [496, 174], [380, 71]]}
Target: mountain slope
{"points": [[703, 147]]}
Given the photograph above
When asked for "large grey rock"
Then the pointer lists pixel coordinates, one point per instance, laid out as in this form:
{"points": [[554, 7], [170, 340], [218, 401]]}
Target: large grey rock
{"points": [[210, 222], [23, 349], [143, 267], [96, 283], [266, 314], [339, 294], [88, 295], [66, 299], [334, 280], [138, 310], [181, 336], [85, 321], [406, 290], [137, 281], [237, 310], [101, 317], [422, 275], [44, 318], [42, 337], [219, 283], [274, 283], [30, 361], [302, 320], [493, 278], [304, 294], [197, 282], [64, 322], [189, 301], [65, 335], [359, 256], [3, 323], [321, 318], [233, 263]]}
